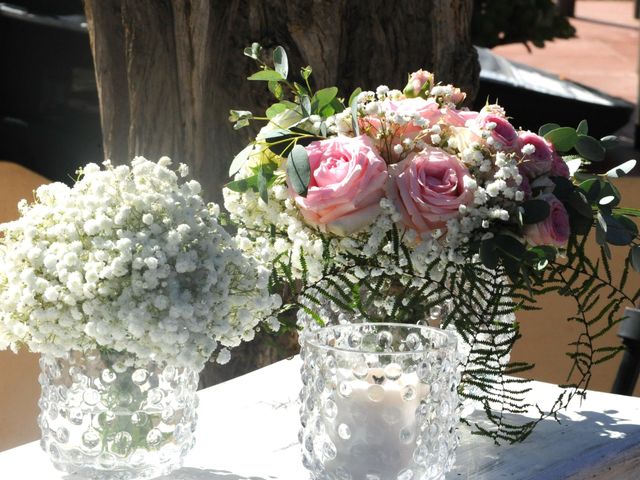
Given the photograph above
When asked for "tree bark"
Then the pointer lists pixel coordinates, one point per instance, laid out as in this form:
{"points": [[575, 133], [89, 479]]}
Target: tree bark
{"points": [[169, 71]]}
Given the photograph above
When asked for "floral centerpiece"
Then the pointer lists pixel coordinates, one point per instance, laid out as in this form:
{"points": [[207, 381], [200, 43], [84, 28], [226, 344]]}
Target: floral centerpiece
{"points": [[404, 206], [127, 284]]}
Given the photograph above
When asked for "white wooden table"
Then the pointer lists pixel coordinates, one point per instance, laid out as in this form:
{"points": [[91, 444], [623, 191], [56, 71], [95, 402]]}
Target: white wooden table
{"points": [[248, 431]]}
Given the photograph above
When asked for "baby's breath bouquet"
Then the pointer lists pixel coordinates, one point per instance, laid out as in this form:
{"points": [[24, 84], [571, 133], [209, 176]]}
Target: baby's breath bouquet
{"points": [[127, 284], [404, 206]]}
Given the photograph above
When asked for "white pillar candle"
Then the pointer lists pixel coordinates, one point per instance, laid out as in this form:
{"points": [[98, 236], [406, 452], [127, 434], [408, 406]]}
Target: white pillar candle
{"points": [[371, 420]]}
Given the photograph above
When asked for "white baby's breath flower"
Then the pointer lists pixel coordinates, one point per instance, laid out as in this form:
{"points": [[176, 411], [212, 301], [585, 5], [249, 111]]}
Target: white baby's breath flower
{"points": [[129, 259]]}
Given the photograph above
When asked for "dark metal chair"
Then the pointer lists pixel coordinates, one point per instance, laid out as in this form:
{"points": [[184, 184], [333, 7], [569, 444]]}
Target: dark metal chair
{"points": [[629, 369]]}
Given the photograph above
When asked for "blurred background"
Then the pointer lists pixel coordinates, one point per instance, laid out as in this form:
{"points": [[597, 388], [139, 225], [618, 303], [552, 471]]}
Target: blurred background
{"points": [[542, 60]]}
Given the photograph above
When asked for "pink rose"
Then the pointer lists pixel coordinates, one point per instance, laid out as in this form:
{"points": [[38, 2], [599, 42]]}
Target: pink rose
{"points": [[537, 155], [420, 82], [559, 167], [346, 185], [393, 135], [428, 187], [502, 133], [525, 186], [553, 230], [458, 118]]}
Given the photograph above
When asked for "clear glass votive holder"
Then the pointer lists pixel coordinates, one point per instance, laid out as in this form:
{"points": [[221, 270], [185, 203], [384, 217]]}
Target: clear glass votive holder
{"points": [[379, 402]]}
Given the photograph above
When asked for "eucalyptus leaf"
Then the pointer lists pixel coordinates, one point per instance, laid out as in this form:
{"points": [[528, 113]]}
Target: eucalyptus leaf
{"points": [[580, 204], [610, 141], [239, 159], [535, 211], [253, 51], [299, 170], [266, 76], [606, 200], [563, 138], [583, 128], [305, 105], [574, 165], [618, 233], [354, 95], [590, 148], [621, 170], [546, 128], [354, 117], [488, 253], [280, 61]]}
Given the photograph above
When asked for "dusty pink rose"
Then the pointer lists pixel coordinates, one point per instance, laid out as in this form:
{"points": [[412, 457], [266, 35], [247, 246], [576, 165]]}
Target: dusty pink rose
{"points": [[559, 167], [428, 187], [553, 230], [538, 162], [346, 185], [503, 134], [420, 82], [393, 135]]}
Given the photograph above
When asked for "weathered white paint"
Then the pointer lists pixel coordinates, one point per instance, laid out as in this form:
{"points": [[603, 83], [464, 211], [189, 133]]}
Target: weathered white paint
{"points": [[248, 431]]}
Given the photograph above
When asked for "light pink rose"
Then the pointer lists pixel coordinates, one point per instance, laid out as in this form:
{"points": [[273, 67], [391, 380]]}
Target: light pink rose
{"points": [[503, 134], [420, 82], [346, 185], [559, 167], [539, 162], [458, 118], [428, 187], [553, 230], [393, 135]]}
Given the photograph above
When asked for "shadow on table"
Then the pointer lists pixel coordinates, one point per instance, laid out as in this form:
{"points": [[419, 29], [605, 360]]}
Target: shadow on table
{"points": [[544, 454], [189, 473]]}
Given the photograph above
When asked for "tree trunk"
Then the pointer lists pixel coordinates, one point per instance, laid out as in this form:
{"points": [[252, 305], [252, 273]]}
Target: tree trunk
{"points": [[169, 71]]}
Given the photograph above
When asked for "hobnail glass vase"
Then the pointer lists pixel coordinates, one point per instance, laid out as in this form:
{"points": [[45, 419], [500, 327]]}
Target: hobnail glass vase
{"points": [[108, 415], [379, 402]]}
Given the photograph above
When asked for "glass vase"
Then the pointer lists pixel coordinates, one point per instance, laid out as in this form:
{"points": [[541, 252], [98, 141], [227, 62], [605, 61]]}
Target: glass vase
{"points": [[108, 415], [379, 402]]}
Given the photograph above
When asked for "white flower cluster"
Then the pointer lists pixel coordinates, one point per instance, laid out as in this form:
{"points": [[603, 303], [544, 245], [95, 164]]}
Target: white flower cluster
{"points": [[129, 259]]}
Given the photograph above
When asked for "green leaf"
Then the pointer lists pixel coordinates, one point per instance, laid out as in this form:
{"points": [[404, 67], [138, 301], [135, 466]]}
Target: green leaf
{"points": [[546, 128], [266, 76], [262, 185], [563, 138], [354, 116], [299, 170], [280, 61], [535, 211], [244, 184], [590, 148], [635, 257], [609, 189], [275, 109], [488, 253], [306, 72], [354, 95], [253, 51], [281, 142], [583, 128], [276, 89], [621, 170], [239, 159], [324, 97]]}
